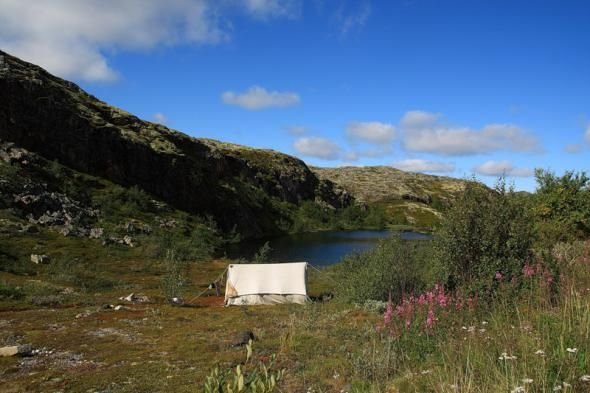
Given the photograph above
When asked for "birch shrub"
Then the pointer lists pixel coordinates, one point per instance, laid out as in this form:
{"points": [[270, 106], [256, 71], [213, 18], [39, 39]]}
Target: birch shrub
{"points": [[485, 237]]}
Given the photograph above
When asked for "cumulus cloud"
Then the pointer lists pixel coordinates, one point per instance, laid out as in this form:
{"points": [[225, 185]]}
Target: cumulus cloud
{"points": [[257, 98], [371, 132], [419, 119], [317, 147], [423, 132], [272, 8], [70, 37], [160, 118], [502, 168], [417, 165], [296, 130]]}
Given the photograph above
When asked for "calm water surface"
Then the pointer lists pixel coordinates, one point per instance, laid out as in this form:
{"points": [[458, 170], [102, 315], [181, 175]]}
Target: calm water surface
{"points": [[319, 248]]}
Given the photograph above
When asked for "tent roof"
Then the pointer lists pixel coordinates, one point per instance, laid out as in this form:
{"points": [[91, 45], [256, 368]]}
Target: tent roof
{"points": [[268, 278]]}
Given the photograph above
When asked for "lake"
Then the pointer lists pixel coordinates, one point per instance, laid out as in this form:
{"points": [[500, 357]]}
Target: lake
{"points": [[318, 248]]}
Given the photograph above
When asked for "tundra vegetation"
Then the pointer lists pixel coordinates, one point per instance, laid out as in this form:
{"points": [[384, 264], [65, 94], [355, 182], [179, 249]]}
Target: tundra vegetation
{"points": [[104, 251], [498, 301]]}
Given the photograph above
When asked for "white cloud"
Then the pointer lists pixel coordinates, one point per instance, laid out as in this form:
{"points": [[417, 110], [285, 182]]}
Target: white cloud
{"points": [[350, 20], [416, 165], [419, 119], [296, 130], [317, 147], [502, 168], [272, 8], [160, 118], [71, 37], [423, 132], [371, 132], [259, 98]]}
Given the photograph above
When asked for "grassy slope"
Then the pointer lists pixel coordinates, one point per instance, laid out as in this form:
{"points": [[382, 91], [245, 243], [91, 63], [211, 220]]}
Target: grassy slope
{"points": [[325, 347]]}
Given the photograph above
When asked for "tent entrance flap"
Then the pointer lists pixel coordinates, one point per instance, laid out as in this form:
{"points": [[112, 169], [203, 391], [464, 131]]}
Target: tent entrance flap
{"points": [[270, 283]]}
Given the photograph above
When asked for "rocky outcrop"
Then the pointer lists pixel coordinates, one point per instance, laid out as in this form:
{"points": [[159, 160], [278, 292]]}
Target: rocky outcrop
{"points": [[233, 184]]}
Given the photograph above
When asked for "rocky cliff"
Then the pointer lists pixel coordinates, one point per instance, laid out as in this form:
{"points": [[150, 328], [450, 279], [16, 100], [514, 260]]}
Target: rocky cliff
{"points": [[238, 186]]}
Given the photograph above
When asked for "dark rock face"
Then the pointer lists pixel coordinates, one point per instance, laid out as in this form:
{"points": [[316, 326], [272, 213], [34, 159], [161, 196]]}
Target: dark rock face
{"points": [[233, 184]]}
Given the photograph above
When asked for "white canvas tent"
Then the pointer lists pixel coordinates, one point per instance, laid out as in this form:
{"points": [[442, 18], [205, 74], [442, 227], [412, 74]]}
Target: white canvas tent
{"points": [[269, 283]]}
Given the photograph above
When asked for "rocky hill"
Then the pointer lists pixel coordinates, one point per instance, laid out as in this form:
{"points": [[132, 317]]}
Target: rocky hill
{"points": [[239, 187], [409, 198]]}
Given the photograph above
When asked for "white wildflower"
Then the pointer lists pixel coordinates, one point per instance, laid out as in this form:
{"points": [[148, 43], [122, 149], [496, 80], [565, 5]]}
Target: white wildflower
{"points": [[526, 381], [505, 356], [585, 378], [518, 389], [557, 388], [540, 352], [572, 350], [566, 385]]}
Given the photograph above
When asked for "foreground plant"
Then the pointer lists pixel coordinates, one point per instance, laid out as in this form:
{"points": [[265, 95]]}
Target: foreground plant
{"points": [[259, 378]]}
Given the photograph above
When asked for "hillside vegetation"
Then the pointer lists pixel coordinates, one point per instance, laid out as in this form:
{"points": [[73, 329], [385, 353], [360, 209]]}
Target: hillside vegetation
{"points": [[242, 189], [407, 198]]}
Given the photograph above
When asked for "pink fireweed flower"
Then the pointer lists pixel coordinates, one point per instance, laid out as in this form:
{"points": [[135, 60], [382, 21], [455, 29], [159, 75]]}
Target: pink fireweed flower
{"points": [[499, 276], [422, 300], [388, 312], [430, 319], [528, 271]]}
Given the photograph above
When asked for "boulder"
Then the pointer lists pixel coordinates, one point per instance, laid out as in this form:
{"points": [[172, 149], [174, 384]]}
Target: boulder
{"points": [[128, 241], [96, 233], [39, 259], [16, 350]]}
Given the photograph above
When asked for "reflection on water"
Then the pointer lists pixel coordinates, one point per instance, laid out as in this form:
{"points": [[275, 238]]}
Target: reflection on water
{"points": [[318, 248]]}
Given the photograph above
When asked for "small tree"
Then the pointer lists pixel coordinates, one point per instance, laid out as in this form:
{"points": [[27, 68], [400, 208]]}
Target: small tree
{"points": [[562, 205], [485, 232], [263, 254], [174, 278]]}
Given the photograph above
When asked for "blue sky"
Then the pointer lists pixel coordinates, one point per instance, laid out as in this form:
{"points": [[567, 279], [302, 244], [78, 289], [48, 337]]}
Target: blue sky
{"points": [[446, 87]]}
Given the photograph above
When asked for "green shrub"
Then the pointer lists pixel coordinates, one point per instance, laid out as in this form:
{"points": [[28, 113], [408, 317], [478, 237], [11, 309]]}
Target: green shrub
{"points": [[247, 378], [263, 254], [80, 274], [395, 266], [484, 233], [175, 276], [562, 206], [10, 292], [198, 244], [311, 216]]}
